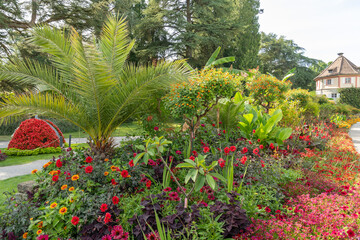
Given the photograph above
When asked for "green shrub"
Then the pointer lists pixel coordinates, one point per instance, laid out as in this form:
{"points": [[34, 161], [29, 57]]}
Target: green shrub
{"points": [[311, 110], [327, 110], [346, 109], [350, 96], [292, 114], [19, 152], [300, 95]]}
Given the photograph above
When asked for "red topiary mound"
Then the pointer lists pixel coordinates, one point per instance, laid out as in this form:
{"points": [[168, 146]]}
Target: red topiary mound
{"points": [[35, 133]]}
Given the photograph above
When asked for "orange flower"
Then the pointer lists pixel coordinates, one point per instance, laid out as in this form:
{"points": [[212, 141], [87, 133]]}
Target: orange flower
{"points": [[63, 210], [34, 171], [106, 159], [71, 189], [63, 187], [113, 168], [106, 173], [45, 165], [25, 235], [75, 177], [39, 232], [53, 205]]}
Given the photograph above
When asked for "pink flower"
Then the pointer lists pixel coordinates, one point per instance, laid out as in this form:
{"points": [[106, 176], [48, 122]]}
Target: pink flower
{"points": [[118, 233], [156, 128], [167, 189], [173, 194], [178, 152]]}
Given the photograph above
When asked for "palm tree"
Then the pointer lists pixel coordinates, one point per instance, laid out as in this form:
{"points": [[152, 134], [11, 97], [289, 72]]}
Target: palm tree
{"points": [[89, 84]]}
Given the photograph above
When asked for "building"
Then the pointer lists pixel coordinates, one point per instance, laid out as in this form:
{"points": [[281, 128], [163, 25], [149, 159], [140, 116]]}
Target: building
{"points": [[342, 73]]}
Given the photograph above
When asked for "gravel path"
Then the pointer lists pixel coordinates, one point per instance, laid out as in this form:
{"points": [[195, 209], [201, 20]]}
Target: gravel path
{"points": [[18, 170], [354, 133]]}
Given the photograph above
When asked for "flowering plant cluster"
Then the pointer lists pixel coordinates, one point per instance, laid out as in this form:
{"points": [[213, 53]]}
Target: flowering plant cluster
{"points": [[35, 133]]}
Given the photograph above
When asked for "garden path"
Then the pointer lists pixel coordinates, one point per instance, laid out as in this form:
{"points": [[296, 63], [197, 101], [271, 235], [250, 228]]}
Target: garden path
{"points": [[19, 170], [354, 133]]}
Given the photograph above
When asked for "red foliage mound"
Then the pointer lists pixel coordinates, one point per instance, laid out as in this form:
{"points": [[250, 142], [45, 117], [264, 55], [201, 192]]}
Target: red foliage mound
{"points": [[35, 133]]}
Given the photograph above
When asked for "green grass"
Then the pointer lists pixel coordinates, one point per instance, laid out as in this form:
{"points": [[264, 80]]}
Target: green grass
{"points": [[18, 160], [10, 185]]}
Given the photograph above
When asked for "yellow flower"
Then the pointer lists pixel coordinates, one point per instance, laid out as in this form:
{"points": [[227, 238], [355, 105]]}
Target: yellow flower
{"points": [[39, 232], [113, 168], [75, 177], [106, 173], [31, 219], [63, 210], [53, 205], [25, 235], [71, 189], [34, 171], [63, 187]]}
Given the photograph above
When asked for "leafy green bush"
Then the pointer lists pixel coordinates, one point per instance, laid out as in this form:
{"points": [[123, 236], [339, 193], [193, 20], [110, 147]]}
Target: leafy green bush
{"points": [[301, 95], [292, 114], [257, 125], [311, 110], [350, 96], [19, 152], [327, 110], [346, 109]]}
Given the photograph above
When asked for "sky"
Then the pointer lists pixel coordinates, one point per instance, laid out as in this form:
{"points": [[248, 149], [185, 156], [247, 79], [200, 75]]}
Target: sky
{"points": [[323, 27]]}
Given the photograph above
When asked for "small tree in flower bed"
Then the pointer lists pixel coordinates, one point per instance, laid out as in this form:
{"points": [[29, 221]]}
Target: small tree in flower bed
{"points": [[194, 99], [35, 133], [266, 90]]}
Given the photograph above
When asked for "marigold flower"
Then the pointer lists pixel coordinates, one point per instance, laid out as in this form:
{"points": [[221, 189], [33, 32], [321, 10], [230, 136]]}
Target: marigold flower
{"points": [[53, 205], [106, 173], [106, 160], [25, 235], [63, 210], [40, 224], [75, 177], [71, 189], [75, 220], [38, 231], [34, 171], [63, 187]]}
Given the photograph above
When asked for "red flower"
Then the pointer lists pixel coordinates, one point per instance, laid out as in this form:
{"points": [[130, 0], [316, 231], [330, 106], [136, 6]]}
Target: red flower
{"points": [[221, 162], [261, 147], [75, 220], [206, 149], [55, 178], [131, 163], [226, 150], [113, 182], [213, 125], [115, 200], [88, 159], [256, 151], [244, 150], [232, 148], [89, 169], [271, 146], [107, 218], [148, 184], [267, 209], [124, 173], [178, 152], [59, 163], [243, 159], [156, 128], [194, 153], [167, 189], [173, 194], [250, 142], [192, 158], [103, 207], [351, 233]]}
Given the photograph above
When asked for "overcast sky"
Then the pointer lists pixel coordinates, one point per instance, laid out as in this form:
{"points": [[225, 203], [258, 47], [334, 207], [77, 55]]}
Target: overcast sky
{"points": [[323, 27]]}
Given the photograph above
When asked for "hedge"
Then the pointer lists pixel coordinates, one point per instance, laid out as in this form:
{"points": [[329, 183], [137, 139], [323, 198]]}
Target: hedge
{"points": [[350, 96]]}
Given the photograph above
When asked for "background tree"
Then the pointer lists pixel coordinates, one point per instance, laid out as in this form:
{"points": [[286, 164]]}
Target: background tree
{"points": [[278, 55]]}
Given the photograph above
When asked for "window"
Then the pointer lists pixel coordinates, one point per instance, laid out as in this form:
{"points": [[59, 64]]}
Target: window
{"points": [[334, 95], [330, 70], [347, 80], [328, 82]]}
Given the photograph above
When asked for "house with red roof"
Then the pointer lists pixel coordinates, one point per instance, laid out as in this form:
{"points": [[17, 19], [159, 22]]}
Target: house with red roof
{"points": [[342, 73]]}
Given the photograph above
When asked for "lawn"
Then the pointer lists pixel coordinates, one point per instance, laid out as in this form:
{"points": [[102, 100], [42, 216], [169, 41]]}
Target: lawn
{"points": [[18, 160], [8, 185]]}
